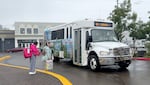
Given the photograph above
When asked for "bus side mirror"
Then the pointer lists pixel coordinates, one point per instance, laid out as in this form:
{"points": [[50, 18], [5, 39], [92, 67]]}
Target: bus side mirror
{"points": [[90, 39]]}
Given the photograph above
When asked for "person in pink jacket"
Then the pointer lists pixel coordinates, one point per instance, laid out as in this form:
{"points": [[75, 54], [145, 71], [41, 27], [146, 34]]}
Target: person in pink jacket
{"points": [[35, 52]]}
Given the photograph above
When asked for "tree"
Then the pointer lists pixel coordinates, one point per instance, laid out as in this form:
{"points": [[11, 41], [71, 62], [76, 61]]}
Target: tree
{"points": [[119, 16], [147, 30], [133, 27], [125, 19]]}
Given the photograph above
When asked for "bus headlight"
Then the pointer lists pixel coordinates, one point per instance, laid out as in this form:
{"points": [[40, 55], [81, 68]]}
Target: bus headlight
{"points": [[103, 53], [111, 51]]}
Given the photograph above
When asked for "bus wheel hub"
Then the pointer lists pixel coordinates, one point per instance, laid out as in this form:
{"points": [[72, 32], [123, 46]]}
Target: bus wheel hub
{"points": [[93, 63]]}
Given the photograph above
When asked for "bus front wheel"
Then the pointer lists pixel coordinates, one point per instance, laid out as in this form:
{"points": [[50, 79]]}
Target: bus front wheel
{"points": [[124, 64], [93, 63]]}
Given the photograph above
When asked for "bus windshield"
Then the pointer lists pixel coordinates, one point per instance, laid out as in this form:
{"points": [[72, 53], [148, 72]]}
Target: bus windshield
{"points": [[100, 35]]}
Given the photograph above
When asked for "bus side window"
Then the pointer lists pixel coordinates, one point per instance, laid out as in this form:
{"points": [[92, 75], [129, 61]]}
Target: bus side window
{"points": [[67, 33], [58, 34], [70, 32], [54, 35]]}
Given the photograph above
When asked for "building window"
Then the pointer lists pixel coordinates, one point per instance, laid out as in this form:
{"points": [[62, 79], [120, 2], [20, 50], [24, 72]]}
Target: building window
{"points": [[29, 31], [22, 30], [35, 30]]}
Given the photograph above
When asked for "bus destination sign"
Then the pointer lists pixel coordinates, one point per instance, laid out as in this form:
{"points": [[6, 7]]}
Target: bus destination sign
{"points": [[103, 24]]}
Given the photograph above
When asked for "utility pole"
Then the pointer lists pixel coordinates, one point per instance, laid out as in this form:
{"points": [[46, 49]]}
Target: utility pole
{"points": [[149, 13], [117, 3]]}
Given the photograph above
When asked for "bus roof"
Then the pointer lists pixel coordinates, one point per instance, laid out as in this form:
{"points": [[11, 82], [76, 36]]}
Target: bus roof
{"points": [[85, 23]]}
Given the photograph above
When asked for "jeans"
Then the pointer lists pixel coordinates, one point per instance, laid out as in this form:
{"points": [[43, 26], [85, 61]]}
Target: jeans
{"points": [[32, 63]]}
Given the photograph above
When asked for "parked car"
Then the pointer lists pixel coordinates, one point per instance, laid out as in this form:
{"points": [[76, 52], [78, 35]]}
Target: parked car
{"points": [[14, 50]]}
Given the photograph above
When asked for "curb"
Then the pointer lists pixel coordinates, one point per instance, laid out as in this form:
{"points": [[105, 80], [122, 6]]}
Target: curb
{"points": [[4, 58], [141, 58]]}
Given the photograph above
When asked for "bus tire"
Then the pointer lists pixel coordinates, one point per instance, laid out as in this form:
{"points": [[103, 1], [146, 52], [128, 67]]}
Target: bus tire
{"points": [[56, 59], [124, 64], [93, 63]]}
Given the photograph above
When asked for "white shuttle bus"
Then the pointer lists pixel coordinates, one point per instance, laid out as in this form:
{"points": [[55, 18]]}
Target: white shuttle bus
{"points": [[89, 43]]}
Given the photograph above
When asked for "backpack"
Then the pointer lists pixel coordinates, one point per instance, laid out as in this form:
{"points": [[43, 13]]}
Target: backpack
{"points": [[27, 53]]}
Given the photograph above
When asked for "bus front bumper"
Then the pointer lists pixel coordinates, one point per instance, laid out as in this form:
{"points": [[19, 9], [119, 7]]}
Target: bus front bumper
{"points": [[112, 60]]}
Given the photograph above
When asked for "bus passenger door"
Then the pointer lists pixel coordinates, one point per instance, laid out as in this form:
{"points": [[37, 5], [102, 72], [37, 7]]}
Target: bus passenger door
{"points": [[77, 47]]}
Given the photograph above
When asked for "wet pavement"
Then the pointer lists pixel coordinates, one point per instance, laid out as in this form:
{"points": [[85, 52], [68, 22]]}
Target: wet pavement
{"points": [[138, 73], [13, 76]]}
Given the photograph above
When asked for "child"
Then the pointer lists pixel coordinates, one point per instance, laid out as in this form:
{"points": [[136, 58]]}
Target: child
{"points": [[47, 56]]}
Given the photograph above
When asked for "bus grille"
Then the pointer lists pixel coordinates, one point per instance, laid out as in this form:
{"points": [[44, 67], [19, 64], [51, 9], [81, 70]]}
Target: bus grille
{"points": [[121, 51]]}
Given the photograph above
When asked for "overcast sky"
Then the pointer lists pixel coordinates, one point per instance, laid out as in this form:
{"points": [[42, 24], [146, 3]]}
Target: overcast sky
{"points": [[63, 10]]}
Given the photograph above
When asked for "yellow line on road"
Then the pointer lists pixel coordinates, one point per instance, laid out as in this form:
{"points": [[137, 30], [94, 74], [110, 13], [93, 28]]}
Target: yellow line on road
{"points": [[4, 58], [62, 79]]}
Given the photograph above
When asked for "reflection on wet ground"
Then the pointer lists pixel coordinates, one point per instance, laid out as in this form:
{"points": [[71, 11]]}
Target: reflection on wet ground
{"points": [[138, 73]]}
